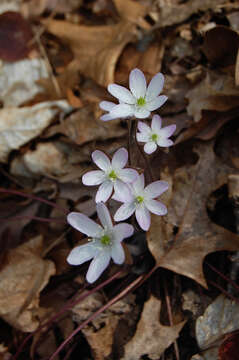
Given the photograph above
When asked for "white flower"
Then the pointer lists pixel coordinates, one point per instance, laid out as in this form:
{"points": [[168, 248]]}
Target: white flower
{"points": [[104, 243], [137, 102], [141, 201], [155, 135], [112, 175]]}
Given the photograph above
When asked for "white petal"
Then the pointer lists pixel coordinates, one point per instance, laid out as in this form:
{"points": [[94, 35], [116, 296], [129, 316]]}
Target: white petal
{"points": [[98, 265], [104, 215], [156, 123], [83, 224], [167, 131], [138, 184], [104, 191], [81, 254], [128, 175], [122, 231], [106, 105], [101, 160], [155, 87], [120, 158], [156, 103], [117, 253], [155, 189], [164, 142], [156, 207], [121, 93], [142, 113], [121, 111], [122, 192], [150, 147], [107, 117], [143, 217], [137, 83], [144, 128], [95, 177], [125, 211], [142, 137]]}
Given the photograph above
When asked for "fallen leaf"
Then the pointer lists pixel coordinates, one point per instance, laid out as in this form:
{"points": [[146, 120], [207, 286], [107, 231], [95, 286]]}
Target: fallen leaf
{"points": [[133, 12], [151, 338]]}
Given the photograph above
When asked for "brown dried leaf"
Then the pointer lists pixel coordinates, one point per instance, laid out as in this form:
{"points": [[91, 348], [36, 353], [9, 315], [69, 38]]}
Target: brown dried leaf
{"points": [[133, 12], [151, 338], [21, 282], [197, 235], [96, 48]]}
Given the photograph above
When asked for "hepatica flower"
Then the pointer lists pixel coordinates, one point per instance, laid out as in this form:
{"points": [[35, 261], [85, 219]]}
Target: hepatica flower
{"points": [[139, 101], [104, 241], [155, 135], [112, 174], [141, 200]]}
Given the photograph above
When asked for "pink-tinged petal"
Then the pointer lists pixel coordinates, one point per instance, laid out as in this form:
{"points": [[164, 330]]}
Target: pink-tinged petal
{"points": [[156, 207], [155, 87], [144, 128], [104, 191], [104, 215], [156, 103], [83, 224], [117, 253], [143, 217], [156, 123], [95, 177], [142, 113], [122, 111], [98, 265], [167, 131], [122, 231], [81, 254], [155, 189], [164, 142], [106, 105], [120, 158], [125, 211], [101, 160], [121, 93], [142, 137], [107, 117], [138, 184], [128, 175], [150, 147], [137, 83], [122, 192]]}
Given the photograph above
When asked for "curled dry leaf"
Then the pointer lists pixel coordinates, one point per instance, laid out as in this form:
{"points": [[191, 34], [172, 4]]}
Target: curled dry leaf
{"points": [[96, 48], [20, 125], [151, 338], [18, 81], [197, 236], [133, 11], [21, 281]]}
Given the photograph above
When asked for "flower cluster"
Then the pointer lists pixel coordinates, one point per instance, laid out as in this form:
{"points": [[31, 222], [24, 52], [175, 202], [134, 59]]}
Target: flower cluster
{"points": [[121, 183]]}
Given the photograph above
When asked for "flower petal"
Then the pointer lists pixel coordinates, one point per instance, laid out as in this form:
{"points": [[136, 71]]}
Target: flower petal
{"points": [[101, 160], [117, 253], [155, 189], [106, 105], [137, 83], [104, 191], [104, 215], [142, 113], [142, 137], [156, 207], [83, 224], [120, 158], [144, 128], [81, 254], [95, 177], [156, 103], [125, 211], [164, 142], [123, 231], [150, 147], [143, 217], [155, 87], [122, 192], [138, 184], [167, 131], [156, 123], [128, 175], [98, 265], [121, 111], [121, 93], [107, 117]]}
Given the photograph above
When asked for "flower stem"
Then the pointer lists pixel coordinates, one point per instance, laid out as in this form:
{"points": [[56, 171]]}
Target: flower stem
{"points": [[130, 138]]}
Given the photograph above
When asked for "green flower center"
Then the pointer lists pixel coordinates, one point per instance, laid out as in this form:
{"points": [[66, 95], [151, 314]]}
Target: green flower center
{"points": [[141, 101], [112, 175], [105, 240], [154, 137], [139, 199]]}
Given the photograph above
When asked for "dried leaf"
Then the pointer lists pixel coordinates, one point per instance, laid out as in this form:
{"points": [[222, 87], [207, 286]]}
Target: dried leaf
{"points": [[133, 11], [151, 338], [21, 281]]}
